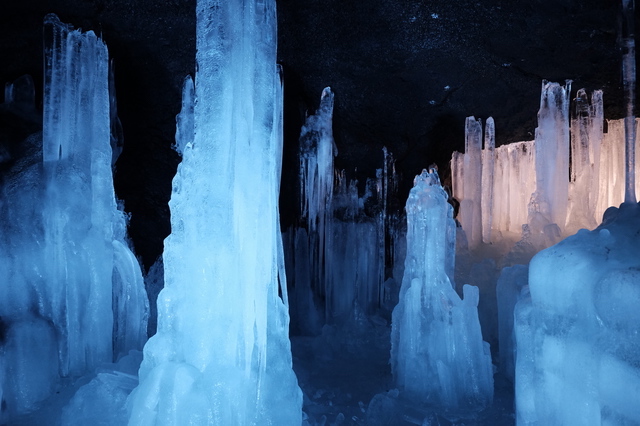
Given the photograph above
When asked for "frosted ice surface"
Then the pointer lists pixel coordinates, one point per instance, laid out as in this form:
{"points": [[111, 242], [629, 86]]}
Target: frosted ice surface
{"points": [[222, 354], [577, 334], [437, 353]]}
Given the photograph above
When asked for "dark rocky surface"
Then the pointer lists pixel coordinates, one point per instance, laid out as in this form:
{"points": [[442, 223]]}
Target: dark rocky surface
{"points": [[405, 74]]}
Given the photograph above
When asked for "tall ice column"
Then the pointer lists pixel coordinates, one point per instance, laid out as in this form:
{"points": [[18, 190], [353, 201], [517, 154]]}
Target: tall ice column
{"points": [[222, 354], [438, 357], [552, 155], [470, 205]]}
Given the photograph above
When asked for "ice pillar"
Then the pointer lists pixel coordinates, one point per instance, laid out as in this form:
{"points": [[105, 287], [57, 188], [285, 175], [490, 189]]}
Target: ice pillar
{"points": [[72, 294], [549, 202], [586, 143], [488, 169], [222, 354], [437, 353], [629, 82], [470, 205], [102, 282]]}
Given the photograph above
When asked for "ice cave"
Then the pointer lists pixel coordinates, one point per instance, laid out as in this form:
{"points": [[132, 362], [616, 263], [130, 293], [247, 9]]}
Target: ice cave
{"points": [[261, 212]]}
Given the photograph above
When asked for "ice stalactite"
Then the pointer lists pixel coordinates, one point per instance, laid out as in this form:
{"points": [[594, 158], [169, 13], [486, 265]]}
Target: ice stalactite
{"points": [[629, 83], [438, 357], [222, 354], [73, 296]]}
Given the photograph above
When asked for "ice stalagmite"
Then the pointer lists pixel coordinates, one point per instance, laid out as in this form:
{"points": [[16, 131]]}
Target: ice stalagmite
{"points": [[470, 205], [438, 357], [488, 170], [629, 82], [72, 294], [222, 354], [586, 142], [549, 203]]}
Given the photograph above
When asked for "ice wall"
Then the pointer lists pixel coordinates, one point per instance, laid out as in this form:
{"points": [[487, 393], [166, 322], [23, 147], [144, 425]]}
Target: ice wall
{"points": [[72, 294], [578, 333], [355, 251], [438, 357], [594, 170], [222, 354]]}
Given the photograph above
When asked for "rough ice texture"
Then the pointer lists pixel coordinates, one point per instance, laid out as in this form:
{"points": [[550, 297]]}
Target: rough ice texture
{"points": [[72, 294], [222, 354], [437, 353], [578, 332]]}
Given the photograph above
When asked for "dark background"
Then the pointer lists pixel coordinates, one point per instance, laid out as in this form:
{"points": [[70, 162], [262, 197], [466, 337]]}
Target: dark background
{"points": [[405, 75]]}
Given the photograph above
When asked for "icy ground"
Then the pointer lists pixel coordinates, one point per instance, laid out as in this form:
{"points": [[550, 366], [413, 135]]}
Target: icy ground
{"points": [[341, 371]]}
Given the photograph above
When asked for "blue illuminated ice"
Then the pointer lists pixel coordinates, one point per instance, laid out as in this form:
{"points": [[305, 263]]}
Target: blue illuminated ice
{"points": [[578, 334], [72, 295], [438, 357], [222, 354]]}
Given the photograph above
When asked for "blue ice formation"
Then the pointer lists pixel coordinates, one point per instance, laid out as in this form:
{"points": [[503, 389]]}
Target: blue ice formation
{"points": [[222, 354], [438, 357], [72, 295]]}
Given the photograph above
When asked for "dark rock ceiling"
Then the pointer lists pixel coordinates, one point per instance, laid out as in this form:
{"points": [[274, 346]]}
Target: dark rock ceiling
{"points": [[405, 74]]}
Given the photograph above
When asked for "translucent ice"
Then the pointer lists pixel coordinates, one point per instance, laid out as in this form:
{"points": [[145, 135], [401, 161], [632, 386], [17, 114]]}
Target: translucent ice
{"points": [[549, 202], [222, 355], [72, 294], [437, 353], [578, 333], [470, 204]]}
